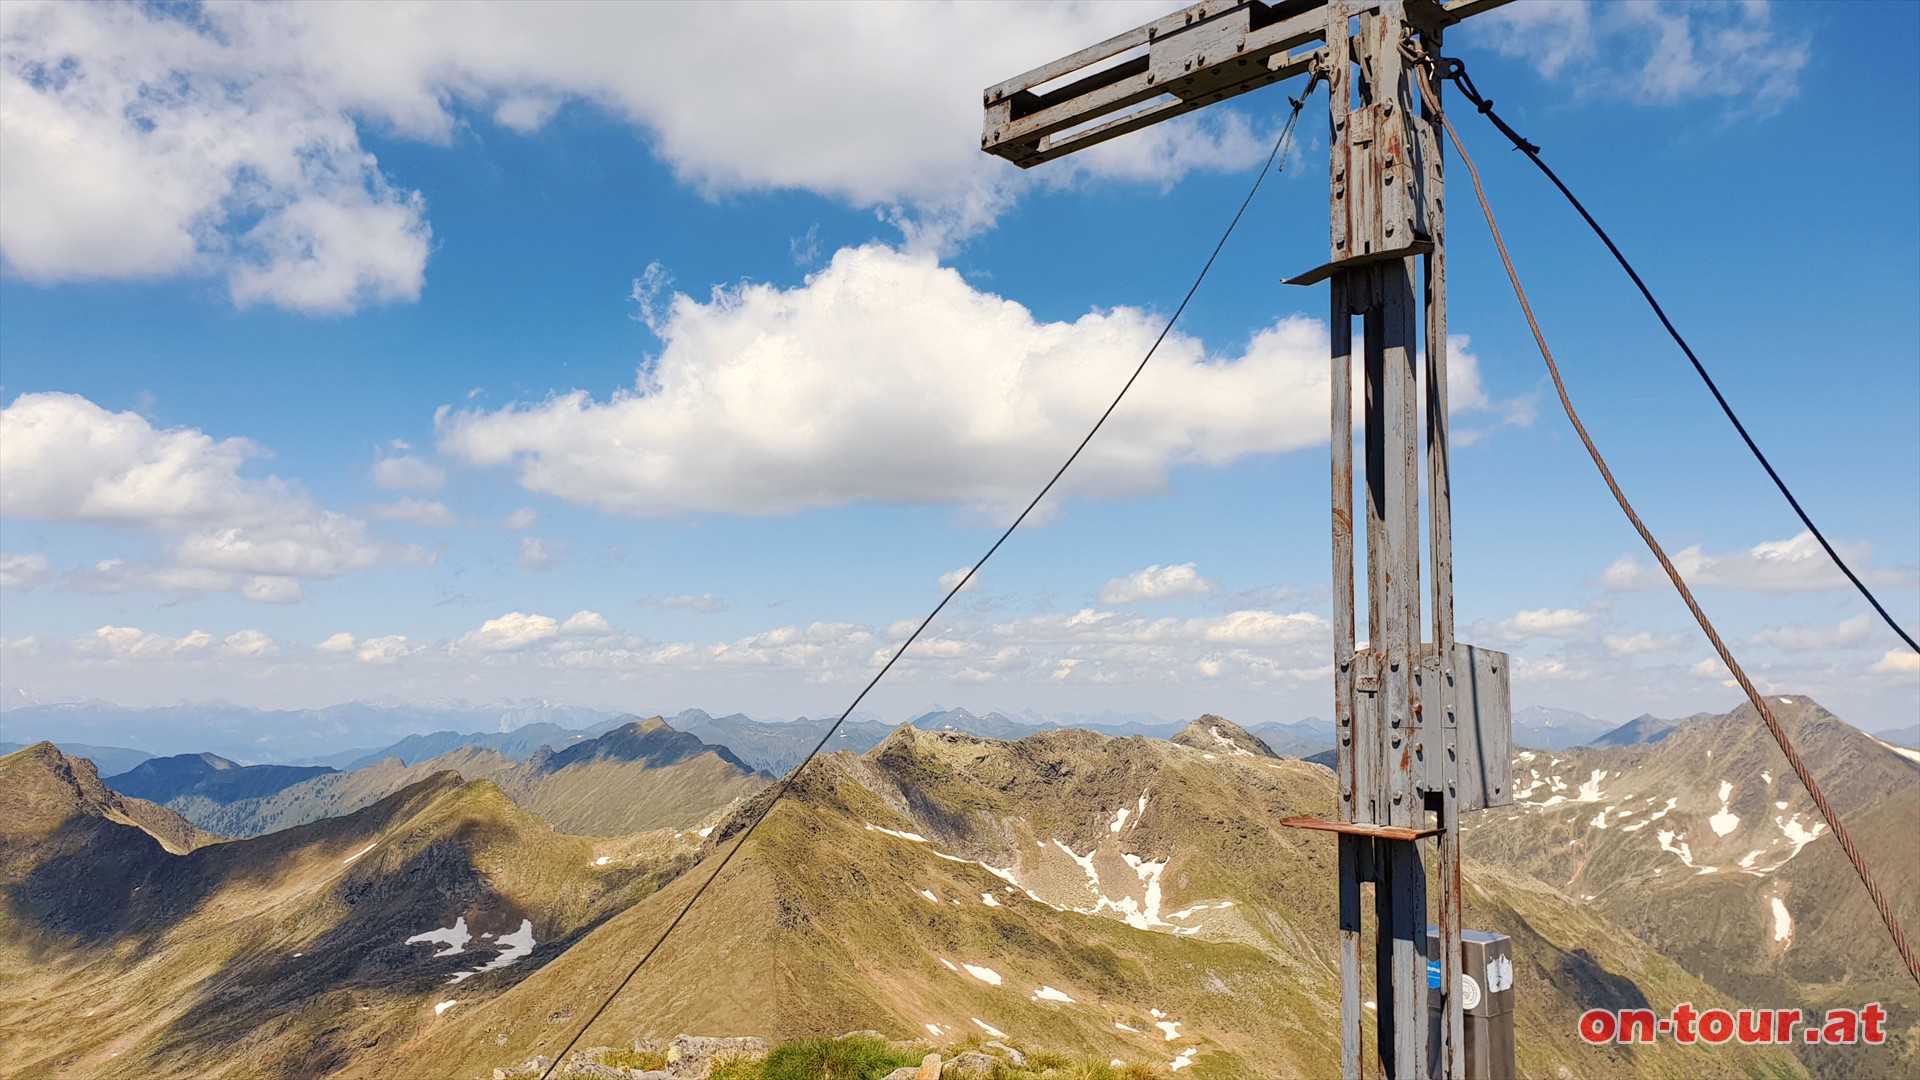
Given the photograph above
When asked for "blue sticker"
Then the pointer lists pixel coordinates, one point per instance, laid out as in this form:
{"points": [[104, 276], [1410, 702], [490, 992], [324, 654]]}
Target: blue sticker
{"points": [[1433, 974]]}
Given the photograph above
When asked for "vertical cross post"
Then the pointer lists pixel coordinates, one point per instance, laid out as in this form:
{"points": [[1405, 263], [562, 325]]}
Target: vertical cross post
{"points": [[1422, 722]]}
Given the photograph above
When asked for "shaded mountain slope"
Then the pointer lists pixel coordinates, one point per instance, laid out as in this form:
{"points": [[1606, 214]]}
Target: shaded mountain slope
{"points": [[292, 954], [1126, 898]]}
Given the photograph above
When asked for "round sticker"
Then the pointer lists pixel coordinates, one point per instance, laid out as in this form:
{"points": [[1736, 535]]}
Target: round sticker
{"points": [[1469, 991]]}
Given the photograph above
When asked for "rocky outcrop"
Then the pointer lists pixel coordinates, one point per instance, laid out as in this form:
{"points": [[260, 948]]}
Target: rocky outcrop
{"points": [[1220, 736]]}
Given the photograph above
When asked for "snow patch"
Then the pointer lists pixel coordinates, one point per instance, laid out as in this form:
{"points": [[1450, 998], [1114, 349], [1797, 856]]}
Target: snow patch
{"points": [[349, 859], [1910, 755], [704, 833], [933, 1029], [603, 860], [871, 827], [445, 1005], [988, 1028], [454, 937], [1048, 993], [1599, 820], [929, 895], [1119, 819], [988, 899], [1590, 791], [517, 944], [1782, 921], [1124, 1027], [950, 966], [984, 974], [1185, 1059]]}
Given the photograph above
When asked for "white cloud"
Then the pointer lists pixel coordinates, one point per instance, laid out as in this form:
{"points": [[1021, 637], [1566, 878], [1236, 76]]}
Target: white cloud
{"points": [[1545, 622], [512, 631], [1796, 564], [1857, 630], [341, 642], [25, 571], [586, 624], [886, 377], [954, 577], [1657, 53], [249, 644], [140, 142], [1156, 582], [404, 472], [538, 554], [65, 459], [705, 603], [384, 650], [130, 643], [521, 519], [224, 140], [1243, 628], [1643, 642], [770, 401], [1899, 662]]}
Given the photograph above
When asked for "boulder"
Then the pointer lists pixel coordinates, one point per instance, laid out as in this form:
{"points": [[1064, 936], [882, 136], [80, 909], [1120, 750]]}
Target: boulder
{"points": [[929, 1068], [692, 1057], [971, 1065], [904, 1072], [1014, 1057], [865, 1033]]}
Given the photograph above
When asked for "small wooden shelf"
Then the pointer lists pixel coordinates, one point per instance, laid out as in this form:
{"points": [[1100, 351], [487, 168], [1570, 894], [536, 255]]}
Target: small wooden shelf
{"points": [[1351, 828]]}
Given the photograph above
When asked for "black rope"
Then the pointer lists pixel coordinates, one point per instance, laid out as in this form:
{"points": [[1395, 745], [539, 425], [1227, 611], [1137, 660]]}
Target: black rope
{"points": [[1450, 68], [779, 792]]}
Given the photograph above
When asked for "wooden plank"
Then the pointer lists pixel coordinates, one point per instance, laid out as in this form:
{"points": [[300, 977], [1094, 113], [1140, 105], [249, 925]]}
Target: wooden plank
{"points": [[1341, 323], [1355, 828], [1113, 46], [1327, 270], [1404, 935], [1350, 954]]}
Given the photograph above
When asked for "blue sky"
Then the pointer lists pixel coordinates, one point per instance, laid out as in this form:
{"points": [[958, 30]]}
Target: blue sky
{"points": [[352, 351]]}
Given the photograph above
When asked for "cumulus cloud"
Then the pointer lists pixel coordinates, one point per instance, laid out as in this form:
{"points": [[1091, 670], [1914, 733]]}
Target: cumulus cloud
{"points": [[248, 643], [514, 630], [1899, 662], [1156, 582], [705, 603], [1659, 53], [390, 649], [586, 624], [24, 571], [341, 642], [122, 643], [886, 377], [65, 459], [524, 518], [1544, 622], [139, 141], [1245, 628], [404, 472], [225, 140], [1796, 564]]}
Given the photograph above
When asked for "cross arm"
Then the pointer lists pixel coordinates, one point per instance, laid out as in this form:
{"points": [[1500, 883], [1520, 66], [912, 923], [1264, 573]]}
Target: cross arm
{"points": [[1194, 57]]}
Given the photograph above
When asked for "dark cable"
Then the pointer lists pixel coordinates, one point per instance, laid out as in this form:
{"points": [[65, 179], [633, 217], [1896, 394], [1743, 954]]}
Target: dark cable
{"points": [[1451, 68], [1286, 134]]}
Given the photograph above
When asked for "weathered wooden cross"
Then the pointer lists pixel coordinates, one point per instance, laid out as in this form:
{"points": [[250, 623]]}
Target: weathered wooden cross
{"points": [[1423, 724]]}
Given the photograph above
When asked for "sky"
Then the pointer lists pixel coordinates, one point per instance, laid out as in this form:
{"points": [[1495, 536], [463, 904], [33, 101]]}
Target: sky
{"points": [[663, 356]]}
